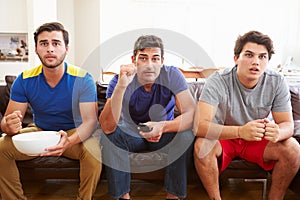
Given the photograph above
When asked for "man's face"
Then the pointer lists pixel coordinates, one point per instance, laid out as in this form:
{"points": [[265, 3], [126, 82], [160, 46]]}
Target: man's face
{"points": [[148, 62], [251, 63], [51, 48]]}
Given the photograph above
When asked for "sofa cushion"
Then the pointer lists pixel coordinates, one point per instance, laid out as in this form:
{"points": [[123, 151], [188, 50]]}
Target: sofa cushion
{"points": [[295, 99], [49, 162], [297, 129], [101, 95]]}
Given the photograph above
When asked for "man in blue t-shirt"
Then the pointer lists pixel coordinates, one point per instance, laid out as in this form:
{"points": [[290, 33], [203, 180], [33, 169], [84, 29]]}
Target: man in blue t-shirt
{"points": [[63, 98], [147, 92]]}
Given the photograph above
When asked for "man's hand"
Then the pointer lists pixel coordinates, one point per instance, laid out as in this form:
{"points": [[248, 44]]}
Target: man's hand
{"points": [[13, 122], [155, 134], [58, 149], [271, 131], [126, 75], [253, 130]]}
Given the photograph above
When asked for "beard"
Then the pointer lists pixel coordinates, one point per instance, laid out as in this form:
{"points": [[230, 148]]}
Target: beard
{"points": [[58, 61]]}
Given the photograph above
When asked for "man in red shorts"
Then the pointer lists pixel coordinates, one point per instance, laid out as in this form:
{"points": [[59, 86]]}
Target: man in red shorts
{"points": [[246, 112]]}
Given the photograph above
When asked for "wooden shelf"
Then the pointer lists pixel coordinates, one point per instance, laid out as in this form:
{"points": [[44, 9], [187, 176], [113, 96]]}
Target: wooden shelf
{"points": [[196, 72], [13, 59]]}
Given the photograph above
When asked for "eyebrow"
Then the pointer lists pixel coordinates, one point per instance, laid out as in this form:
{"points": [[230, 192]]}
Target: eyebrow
{"points": [[248, 51], [54, 40], [143, 54]]}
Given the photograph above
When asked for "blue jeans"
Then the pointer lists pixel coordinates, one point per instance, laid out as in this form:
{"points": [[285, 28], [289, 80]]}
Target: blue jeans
{"points": [[175, 148]]}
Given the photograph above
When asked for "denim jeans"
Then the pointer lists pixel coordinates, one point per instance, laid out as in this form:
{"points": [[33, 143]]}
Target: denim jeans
{"points": [[177, 147]]}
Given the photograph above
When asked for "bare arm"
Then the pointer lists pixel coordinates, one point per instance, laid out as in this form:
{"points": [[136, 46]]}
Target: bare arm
{"points": [[252, 131], [11, 123], [111, 112], [282, 129], [186, 107], [88, 112], [204, 127]]}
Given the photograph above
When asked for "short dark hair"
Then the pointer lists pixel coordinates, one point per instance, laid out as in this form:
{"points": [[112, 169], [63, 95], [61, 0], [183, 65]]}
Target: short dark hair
{"points": [[255, 37], [148, 41], [52, 26]]}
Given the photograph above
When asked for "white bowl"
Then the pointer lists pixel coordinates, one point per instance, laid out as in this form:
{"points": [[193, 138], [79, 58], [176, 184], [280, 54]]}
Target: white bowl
{"points": [[35, 143]]}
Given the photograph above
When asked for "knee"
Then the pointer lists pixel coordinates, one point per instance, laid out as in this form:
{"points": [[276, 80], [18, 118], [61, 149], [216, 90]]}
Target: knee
{"points": [[290, 150], [205, 149], [5, 143]]}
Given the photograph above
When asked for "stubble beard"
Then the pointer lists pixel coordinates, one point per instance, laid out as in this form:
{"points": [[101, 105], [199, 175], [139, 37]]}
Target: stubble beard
{"points": [[59, 61]]}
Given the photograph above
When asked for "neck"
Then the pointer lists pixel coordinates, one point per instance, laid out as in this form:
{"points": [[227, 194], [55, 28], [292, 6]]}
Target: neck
{"points": [[53, 75], [148, 87]]}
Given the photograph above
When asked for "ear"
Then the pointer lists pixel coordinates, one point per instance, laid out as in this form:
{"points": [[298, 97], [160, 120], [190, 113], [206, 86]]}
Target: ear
{"points": [[162, 60], [133, 59], [67, 49], [235, 58]]}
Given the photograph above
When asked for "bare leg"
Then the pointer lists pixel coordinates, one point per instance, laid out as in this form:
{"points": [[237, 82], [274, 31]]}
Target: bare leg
{"points": [[287, 155], [206, 164]]}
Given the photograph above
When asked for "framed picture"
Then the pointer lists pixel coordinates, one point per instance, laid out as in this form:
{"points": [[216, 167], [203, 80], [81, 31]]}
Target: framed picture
{"points": [[13, 47]]}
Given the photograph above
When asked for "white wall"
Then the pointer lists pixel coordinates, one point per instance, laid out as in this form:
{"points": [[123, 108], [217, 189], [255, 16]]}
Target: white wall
{"points": [[27, 15], [213, 24], [87, 28], [13, 15], [13, 20], [65, 15]]}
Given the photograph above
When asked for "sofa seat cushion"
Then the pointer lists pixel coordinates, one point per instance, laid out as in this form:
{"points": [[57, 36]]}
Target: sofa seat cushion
{"points": [[240, 168], [295, 99], [147, 161], [49, 162]]}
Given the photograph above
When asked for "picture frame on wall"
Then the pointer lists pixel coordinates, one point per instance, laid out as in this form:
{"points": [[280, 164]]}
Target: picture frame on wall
{"points": [[13, 47]]}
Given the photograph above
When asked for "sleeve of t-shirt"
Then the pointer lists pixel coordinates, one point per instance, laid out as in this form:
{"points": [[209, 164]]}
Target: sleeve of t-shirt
{"points": [[213, 90], [111, 86], [282, 101], [178, 82], [88, 89], [17, 92]]}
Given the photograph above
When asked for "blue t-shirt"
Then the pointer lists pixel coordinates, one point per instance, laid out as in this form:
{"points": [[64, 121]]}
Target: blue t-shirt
{"points": [[158, 105], [55, 108]]}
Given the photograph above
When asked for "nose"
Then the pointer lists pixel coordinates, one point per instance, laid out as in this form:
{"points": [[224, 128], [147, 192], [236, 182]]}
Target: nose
{"points": [[150, 62], [50, 48], [255, 60]]}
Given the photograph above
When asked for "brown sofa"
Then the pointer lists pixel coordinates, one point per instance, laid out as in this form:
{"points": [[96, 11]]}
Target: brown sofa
{"points": [[64, 168]]}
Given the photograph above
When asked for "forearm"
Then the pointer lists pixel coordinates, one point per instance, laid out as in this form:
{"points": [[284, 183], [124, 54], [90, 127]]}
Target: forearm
{"points": [[83, 132], [180, 123], [215, 131], [111, 113], [286, 130]]}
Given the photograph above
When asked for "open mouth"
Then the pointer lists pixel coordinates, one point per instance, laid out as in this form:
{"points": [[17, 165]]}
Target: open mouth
{"points": [[254, 69]]}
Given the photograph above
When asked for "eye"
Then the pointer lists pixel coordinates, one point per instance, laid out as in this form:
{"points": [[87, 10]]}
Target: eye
{"points": [[142, 58], [44, 44], [249, 55], [56, 44], [263, 56], [156, 59]]}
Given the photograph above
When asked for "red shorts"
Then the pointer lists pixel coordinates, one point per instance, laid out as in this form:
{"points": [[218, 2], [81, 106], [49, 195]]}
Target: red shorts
{"points": [[251, 151]]}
